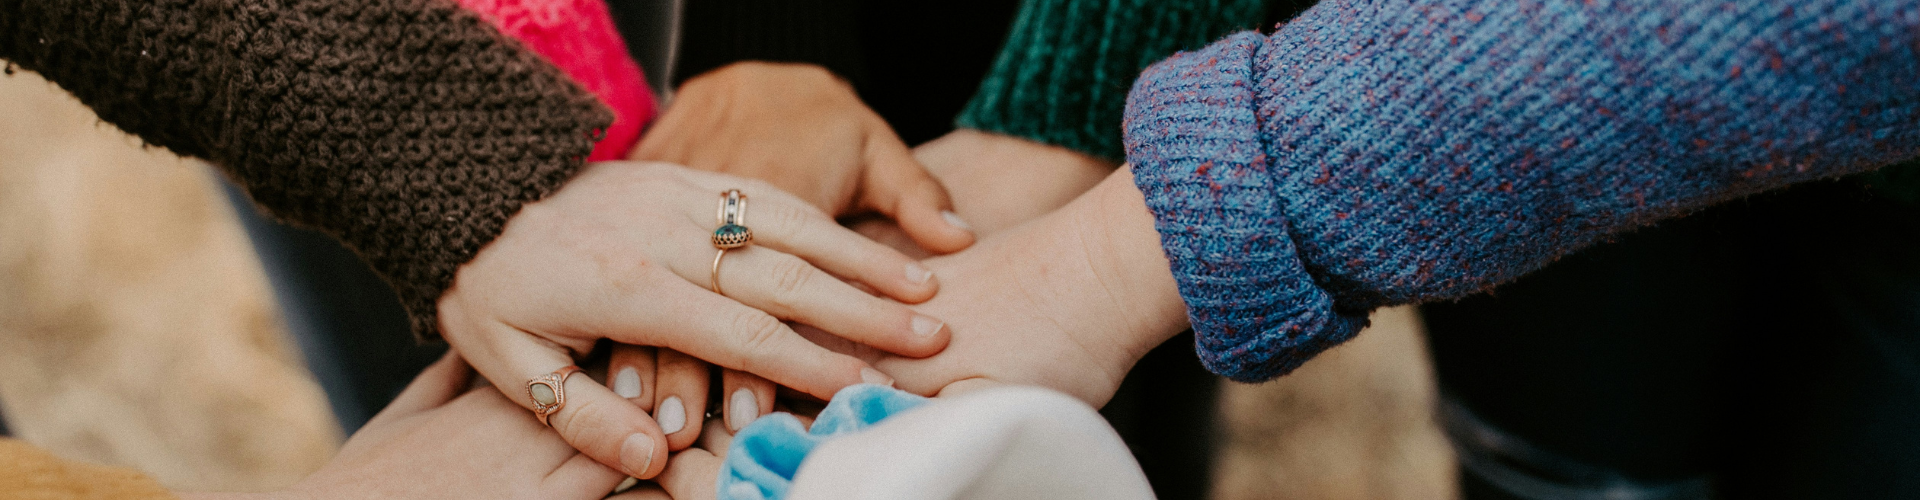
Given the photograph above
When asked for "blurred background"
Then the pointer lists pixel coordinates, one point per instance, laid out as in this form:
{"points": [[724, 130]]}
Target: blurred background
{"points": [[139, 327]]}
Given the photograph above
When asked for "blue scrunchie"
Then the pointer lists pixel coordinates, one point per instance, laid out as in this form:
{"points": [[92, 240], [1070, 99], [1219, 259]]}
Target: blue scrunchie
{"points": [[764, 456]]}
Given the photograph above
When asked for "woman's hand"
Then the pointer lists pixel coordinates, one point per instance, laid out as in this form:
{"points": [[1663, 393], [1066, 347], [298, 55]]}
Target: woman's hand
{"points": [[804, 130], [1069, 301], [439, 439], [623, 252]]}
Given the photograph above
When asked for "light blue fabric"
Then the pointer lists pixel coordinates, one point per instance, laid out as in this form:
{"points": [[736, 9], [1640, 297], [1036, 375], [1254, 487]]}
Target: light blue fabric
{"points": [[764, 456]]}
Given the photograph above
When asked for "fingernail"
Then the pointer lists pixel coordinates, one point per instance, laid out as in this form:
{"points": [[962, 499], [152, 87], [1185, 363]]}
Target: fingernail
{"points": [[626, 484], [918, 274], [742, 410], [672, 415], [955, 220], [874, 377], [925, 326], [627, 383], [636, 454]]}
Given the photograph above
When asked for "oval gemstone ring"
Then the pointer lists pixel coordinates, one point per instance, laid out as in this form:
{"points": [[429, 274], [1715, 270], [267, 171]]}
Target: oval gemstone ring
{"points": [[733, 232]]}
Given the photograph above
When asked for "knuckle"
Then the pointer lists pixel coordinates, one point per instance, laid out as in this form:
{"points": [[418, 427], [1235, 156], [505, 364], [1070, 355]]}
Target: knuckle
{"points": [[758, 333], [790, 275], [588, 421], [784, 221]]}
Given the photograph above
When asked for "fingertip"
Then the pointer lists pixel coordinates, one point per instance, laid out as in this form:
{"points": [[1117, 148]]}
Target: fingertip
{"points": [[935, 229]]}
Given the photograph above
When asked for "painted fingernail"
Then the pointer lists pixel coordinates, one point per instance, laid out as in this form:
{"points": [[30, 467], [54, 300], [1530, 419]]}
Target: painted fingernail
{"points": [[874, 377], [925, 326], [742, 409], [918, 274], [627, 383], [955, 220], [636, 453], [672, 415]]}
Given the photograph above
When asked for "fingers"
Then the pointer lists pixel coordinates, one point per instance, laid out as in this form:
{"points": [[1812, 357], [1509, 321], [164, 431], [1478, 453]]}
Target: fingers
{"points": [[692, 474], [439, 383], [690, 319], [747, 398], [592, 418], [631, 375], [581, 477], [682, 395], [789, 288], [783, 222], [899, 187]]}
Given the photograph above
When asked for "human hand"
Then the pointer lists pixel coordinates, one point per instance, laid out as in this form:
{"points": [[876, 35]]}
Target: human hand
{"points": [[623, 252], [1069, 301], [439, 439], [802, 129]]}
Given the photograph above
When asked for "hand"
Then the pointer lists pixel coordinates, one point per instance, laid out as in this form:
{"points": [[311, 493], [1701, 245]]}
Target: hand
{"points": [[802, 129], [440, 440], [623, 252], [1069, 301], [999, 181]]}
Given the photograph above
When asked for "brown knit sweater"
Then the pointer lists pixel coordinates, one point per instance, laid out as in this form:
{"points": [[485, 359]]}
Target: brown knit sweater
{"points": [[409, 129]]}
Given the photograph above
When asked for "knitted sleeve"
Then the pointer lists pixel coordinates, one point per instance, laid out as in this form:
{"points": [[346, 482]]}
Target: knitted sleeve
{"points": [[1377, 152], [408, 129], [1062, 76]]}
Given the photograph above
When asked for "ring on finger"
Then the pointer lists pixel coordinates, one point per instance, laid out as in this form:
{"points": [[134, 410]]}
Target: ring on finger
{"points": [[733, 232], [549, 392]]}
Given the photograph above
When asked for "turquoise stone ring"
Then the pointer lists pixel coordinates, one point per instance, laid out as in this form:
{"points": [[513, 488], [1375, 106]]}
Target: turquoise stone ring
{"points": [[732, 236]]}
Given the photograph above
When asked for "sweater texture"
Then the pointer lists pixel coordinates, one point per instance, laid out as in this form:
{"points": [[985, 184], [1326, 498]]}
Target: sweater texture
{"points": [[408, 129], [1379, 152], [578, 36], [1063, 74]]}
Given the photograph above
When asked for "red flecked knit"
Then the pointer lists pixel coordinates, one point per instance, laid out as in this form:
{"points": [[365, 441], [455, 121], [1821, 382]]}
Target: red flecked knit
{"points": [[579, 37]]}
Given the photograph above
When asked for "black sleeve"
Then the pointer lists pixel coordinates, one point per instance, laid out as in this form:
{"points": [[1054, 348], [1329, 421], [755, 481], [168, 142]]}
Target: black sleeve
{"points": [[715, 33]]}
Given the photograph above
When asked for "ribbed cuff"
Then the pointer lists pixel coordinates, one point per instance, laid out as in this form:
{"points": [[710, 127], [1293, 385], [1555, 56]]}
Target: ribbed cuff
{"points": [[1194, 141], [1062, 77], [715, 33]]}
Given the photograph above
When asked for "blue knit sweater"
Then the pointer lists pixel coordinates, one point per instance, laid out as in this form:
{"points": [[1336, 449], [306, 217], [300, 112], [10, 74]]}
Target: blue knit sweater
{"points": [[1379, 152]]}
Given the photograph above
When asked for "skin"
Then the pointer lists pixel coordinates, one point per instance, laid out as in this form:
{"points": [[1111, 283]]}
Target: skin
{"points": [[441, 439], [623, 254]]}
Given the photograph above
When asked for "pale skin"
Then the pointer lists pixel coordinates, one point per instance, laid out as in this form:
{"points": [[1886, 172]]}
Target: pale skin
{"points": [[442, 439], [622, 252], [803, 130]]}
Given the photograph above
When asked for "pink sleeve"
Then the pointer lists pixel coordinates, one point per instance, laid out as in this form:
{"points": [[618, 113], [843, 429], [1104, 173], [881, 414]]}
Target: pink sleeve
{"points": [[579, 37]]}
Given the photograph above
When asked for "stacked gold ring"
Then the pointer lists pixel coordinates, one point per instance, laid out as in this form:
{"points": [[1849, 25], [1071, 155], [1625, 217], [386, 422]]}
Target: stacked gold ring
{"points": [[733, 232]]}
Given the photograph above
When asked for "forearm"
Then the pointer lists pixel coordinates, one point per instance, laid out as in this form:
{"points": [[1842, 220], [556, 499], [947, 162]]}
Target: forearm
{"points": [[409, 130], [1383, 152]]}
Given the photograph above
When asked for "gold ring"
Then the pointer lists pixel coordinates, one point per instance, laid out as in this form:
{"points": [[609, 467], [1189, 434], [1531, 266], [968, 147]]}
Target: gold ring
{"points": [[716, 271], [733, 232], [549, 392]]}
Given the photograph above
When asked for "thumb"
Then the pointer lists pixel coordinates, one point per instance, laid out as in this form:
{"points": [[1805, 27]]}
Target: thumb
{"points": [[897, 186]]}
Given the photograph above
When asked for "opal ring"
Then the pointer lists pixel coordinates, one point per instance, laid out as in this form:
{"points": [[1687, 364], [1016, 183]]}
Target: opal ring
{"points": [[549, 392]]}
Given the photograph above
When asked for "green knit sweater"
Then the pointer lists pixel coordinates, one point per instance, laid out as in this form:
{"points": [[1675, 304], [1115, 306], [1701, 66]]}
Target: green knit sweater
{"points": [[1063, 75]]}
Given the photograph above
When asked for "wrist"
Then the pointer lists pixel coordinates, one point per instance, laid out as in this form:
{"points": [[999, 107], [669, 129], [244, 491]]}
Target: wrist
{"points": [[1124, 250]]}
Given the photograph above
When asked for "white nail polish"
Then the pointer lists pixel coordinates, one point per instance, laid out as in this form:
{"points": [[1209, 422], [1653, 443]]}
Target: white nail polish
{"points": [[955, 220], [874, 377], [925, 326], [672, 415], [918, 274], [627, 383], [742, 409]]}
